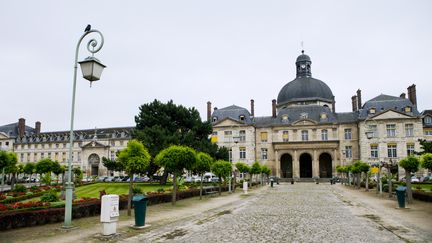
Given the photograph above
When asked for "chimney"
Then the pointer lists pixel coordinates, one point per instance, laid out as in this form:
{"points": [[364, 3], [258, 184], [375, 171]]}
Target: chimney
{"points": [[403, 96], [273, 108], [208, 110], [21, 127], [214, 109], [359, 100], [252, 108], [38, 127], [412, 94], [354, 102]]}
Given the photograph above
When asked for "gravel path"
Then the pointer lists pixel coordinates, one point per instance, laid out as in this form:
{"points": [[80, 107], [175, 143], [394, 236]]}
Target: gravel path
{"points": [[304, 212]]}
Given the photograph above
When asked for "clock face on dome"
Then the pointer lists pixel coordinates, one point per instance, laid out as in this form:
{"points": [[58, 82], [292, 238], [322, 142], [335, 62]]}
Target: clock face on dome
{"points": [[303, 66]]}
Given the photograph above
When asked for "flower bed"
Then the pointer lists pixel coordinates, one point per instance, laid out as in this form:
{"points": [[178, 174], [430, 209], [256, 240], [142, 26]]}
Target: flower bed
{"points": [[422, 196], [12, 197], [31, 214]]}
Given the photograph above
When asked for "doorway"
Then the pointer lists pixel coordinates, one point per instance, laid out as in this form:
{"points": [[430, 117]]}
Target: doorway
{"points": [[305, 166]]}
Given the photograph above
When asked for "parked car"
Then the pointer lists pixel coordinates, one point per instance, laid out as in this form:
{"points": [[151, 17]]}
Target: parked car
{"points": [[125, 178], [102, 178], [425, 178], [413, 179]]}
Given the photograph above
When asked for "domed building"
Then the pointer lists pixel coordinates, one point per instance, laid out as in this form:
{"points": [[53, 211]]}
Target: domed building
{"points": [[305, 138]]}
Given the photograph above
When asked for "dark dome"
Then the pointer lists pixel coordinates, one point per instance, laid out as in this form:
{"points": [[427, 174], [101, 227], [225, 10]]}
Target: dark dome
{"points": [[303, 89], [303, 58]]}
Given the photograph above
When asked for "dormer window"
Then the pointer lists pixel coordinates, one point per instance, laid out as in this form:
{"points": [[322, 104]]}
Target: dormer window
{"points": [[372, 111], [428, 120], [215, 119], [408, 109], [304, 115], [285, 118], [323, 116], [242, 118]]}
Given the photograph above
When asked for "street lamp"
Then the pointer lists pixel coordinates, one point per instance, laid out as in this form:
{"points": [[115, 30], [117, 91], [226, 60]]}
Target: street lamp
{"points": [[91, 70], [236, 140]]}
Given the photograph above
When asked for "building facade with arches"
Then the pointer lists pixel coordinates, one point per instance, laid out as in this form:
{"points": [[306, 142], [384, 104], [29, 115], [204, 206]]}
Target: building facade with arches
{"points": [[306, 138]]}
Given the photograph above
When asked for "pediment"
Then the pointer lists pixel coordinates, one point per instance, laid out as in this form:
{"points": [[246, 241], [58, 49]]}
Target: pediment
{"points": [[3, 135], [391, 114], [94, 144], [304, 122], [228, 122]]}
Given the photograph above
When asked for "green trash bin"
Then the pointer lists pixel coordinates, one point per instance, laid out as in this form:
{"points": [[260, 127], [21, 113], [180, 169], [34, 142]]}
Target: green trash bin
{"points": [[140, 206], [271, 182], [400, 193]]}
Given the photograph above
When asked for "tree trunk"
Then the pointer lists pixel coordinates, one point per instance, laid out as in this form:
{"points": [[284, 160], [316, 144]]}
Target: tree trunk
{"points": [[13, 181], [129, 205], [390, 189], [234, 181], [163, 179], [359, 180], [174, 195], [408, 185], [220, 186], [201, 185]]}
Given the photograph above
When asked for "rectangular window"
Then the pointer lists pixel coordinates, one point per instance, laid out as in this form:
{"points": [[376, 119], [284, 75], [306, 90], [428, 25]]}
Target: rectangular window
{"points": [[228, 136], [35, 158], [392, 150], [428, 120], [428, 132], [374, 130], [79, 156], [49, 155], [264, 153], [347, 133], [263, 137], [391, 130], [348, 152], [112, 142], [28, 157], [285, 136], [324, 135], [21, 157], [64, 157], [112, 155], [305, 135], [374, 151], [410, 149], [230, 158], [242, 135], [242, 153], [409, 130]]}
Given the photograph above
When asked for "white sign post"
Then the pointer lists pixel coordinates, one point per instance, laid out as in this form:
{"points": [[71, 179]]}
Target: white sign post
{"points": [[109, 214], [245, 187]]}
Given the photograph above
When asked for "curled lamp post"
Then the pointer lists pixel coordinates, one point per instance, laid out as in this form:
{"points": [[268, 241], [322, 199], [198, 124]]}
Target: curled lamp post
{"points": [[236, 140], [91, 70]]}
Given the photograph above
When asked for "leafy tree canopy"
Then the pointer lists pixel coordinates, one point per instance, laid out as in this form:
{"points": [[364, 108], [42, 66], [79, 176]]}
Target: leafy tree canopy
{"points": [[203, 163], [135, 158], [159, 125], [410, 163], [44, 166], [242, 167], [112, 165], [256, 168], [426, 146], [7, 159], [57, 168], [426, 161], [222, 169], [265, 170], [175, 159], [29, 168]]}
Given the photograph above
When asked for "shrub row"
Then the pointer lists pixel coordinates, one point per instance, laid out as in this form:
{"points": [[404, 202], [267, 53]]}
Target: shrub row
{"points": [[422, 196]]}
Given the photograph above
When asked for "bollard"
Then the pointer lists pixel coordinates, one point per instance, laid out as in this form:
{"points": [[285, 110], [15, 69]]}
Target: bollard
{"points": [[245, 187]]}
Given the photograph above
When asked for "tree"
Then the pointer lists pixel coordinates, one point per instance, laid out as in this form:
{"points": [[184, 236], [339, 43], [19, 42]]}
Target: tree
{"points": [[112, 165], [221, 169], [255, 170], [57, 169], [78, 175], [135, 158], [175, 159], [29, 169], [265, 170], [202, 165], [425, 146], [7, 159], [45, 166], [355, 169], [364, 168], [426, 161], [242, 168], [411, 165], [160, 125]]}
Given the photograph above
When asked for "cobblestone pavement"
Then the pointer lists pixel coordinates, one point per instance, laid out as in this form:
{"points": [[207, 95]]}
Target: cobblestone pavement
{"points": [[304, 212]]}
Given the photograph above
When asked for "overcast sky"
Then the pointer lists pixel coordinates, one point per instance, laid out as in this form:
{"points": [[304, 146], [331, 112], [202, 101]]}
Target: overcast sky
{"points": [[226, 52]]}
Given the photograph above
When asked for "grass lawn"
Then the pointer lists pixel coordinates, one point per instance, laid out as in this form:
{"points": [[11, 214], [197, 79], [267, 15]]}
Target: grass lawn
{"points": [[115, 188], [424, 187]]}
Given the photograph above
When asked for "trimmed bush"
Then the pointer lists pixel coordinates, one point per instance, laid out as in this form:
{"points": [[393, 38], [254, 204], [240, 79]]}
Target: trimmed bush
{"points": [[50, 196], [20, 188]]}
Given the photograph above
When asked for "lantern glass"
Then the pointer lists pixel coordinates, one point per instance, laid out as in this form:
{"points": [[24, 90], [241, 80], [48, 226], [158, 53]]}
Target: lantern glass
{"points": [[91, 69]]}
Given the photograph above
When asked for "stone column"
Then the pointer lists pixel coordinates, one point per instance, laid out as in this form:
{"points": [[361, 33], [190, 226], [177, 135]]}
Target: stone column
{"points": [[296, 165], [315, 164], [277, 165], [334, 161]]}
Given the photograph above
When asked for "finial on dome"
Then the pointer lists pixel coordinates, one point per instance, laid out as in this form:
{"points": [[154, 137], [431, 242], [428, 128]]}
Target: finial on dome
{"points": [[302, 51]]}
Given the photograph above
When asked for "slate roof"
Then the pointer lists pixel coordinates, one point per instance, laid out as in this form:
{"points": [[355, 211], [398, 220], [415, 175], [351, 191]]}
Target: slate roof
{"points": [[384, 103], [12, 129], [233, 112]]}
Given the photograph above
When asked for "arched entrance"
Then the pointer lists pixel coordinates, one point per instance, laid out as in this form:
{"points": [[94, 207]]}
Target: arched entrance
{"points": [[305, 166], [94, 161], [325, 165], [286, 166]]}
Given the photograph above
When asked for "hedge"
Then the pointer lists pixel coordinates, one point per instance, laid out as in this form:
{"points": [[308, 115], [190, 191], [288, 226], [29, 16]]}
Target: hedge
{"points": [[422, 196]]}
